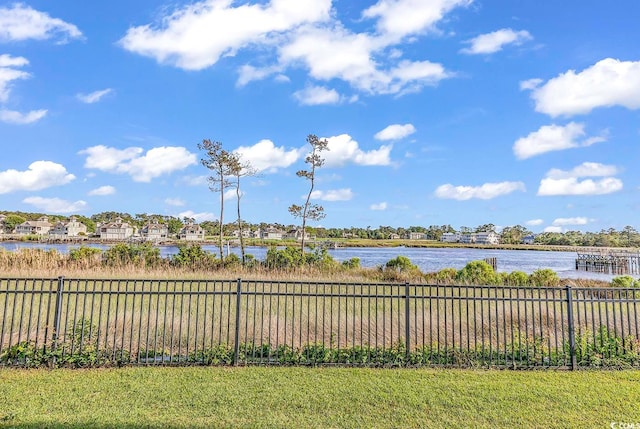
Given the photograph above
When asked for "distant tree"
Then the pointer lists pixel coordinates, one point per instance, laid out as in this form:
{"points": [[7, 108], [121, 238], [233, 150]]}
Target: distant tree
{"points": [[240, 169], [308, 210], [12, 220], [221, 163], [174, 225]]}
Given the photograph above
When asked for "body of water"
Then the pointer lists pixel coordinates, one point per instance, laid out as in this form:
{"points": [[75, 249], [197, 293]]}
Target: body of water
{"points": [[427, 259]]}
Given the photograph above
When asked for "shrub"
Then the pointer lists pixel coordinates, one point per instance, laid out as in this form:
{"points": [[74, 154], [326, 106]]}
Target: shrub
{"points": [[477, 273], [352, 263], [516, 278], [623, 282], [544, 277], [401, 264], [193, 256], [445, 276]]}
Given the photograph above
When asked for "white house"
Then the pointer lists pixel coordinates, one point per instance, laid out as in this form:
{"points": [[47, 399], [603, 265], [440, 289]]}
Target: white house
{"points": [[41, 226], [116, 230], [70, 228], [296, 234], [450, 237], [192, 232], [489, 237], [417, 236], [271, 234], [529, 239], [154, 231]]}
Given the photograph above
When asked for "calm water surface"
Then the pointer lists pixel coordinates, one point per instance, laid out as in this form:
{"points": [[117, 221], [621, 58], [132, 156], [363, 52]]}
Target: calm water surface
{"points": [[427, 259]]}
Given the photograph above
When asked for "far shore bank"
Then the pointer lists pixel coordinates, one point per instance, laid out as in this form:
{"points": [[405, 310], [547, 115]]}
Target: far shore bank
{"points": [[328, 243]]}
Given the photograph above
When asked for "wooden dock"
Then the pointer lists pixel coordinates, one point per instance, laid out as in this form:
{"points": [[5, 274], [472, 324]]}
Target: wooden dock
{"points": [[609, 262]]}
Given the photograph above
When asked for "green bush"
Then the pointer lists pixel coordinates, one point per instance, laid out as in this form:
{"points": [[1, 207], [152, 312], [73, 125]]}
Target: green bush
{"points": [[352, 263], [193, 256], [516, 278], [477, 273], [401, 264], [445, 276], [544, 277], [623, 282]]}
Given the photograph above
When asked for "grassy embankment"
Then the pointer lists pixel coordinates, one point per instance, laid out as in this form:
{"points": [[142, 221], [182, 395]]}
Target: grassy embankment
{"points": [[312, 397]]}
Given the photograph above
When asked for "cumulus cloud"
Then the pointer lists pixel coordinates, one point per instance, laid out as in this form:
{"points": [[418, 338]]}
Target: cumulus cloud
{"points": [[265, 156], [553, 138], [141, 167], [298, 33], [609, 82], [18, 118], [484, 192], [21, 22], [399, 18], [9, 73], [344, 150], [530, 84], [559, 182], [554, 229], [493, 42], [535, 222], [378, 207], [40, 175], [196, 36], [333, 195], [56, 205], [567, 221], [395, 132], [198, 217], [315, 95], [102, 191], [94, 96]]}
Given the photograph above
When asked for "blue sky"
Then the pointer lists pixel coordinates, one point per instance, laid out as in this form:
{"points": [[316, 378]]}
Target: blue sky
{"points": [[460, 112]]}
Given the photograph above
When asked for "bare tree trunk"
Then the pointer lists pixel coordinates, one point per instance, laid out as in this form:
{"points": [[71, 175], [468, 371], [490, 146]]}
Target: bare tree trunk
{"points": [[221, 216], [240, 222]]}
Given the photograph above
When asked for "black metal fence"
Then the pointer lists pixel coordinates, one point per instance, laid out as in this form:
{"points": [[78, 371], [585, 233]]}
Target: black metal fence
{"points": [[89, 322]]}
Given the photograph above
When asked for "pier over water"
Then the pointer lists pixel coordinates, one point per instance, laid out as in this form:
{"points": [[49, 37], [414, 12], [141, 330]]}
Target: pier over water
{"points": [[607, 261]]}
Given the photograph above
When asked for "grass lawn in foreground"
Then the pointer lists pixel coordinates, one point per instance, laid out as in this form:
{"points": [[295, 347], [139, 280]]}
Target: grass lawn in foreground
{"points": [[316, 397]]}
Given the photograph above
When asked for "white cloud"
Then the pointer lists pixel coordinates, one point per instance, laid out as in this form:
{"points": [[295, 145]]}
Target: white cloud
{"points": [[18, 118], [395, 132], [265, 156], [333, 195], [231, 194], [199, 217], [40, 175], [586, 169], [359, 59], [21, 22], [493, 42], [484, 192], [142, 168], [298, 33], [56, 205], [567, 221], [573, 186], [103, 191], [553, 138], [343, 150], [554, 229], [196, 36], [380, 206], [559, 182], [535, 222], [8, 73], [399, 18], [315, 95], [94, 96], [607, 83], [176, 202], [530, 84], [7, 60]]}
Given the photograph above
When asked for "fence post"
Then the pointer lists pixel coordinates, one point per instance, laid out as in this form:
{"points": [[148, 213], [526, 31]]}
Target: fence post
{"points": [[236, 344], [57, 316], [407, 321], [572, 332]]}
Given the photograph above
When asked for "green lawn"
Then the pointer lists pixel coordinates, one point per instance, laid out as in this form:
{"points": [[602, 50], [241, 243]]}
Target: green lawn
{"points": [[316, 398]]}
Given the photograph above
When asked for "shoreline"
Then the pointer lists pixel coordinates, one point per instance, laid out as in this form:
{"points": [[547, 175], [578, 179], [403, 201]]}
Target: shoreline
{"points": [[336, 244]]}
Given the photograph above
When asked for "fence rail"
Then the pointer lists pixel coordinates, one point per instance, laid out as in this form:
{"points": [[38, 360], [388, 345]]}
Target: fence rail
{"points": [[89, 322]]}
